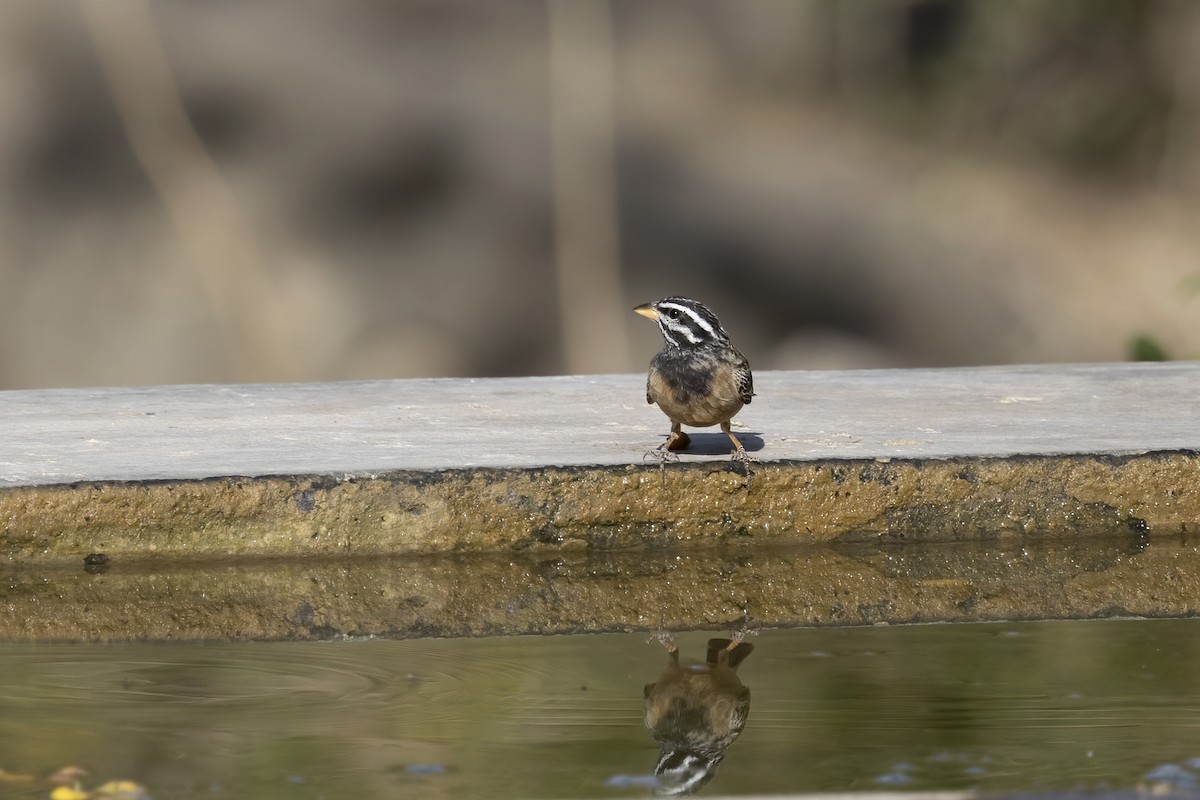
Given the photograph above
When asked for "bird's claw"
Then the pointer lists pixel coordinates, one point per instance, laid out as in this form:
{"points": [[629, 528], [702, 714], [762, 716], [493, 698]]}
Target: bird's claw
{"points": [[742, 456], [661, 455], [741, 633], [664, 638]]}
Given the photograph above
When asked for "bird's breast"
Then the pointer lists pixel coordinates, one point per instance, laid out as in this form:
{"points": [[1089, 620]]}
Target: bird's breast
{"points": [[694, 386]]}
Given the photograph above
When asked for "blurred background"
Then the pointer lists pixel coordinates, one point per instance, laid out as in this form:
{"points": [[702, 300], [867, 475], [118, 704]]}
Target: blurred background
{"points": [[278, 190]]}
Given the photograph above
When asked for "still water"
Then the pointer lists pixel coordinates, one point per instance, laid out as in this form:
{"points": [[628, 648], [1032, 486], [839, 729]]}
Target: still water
{"points": [[1031, 706]]}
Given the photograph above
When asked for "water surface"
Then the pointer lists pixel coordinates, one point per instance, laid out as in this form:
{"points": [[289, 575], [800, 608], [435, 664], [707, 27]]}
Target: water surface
{"points": [[1030, 706]]}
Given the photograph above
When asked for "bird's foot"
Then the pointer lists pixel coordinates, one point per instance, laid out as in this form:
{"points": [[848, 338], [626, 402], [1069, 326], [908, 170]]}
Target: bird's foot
{"points": [[665, 638], [661, 455], [740, 456], [741, 633]]}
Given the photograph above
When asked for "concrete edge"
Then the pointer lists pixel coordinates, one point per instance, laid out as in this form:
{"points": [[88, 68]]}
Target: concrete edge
{"points": [[552, 508]]}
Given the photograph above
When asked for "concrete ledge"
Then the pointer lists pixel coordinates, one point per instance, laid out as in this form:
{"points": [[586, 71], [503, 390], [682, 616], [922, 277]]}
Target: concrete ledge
{"points": [[364, 428], [1030, 492], [557, 463]]}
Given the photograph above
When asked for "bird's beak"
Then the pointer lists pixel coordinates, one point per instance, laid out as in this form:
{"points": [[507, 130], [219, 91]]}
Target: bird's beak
{"points": [[646, 310]]}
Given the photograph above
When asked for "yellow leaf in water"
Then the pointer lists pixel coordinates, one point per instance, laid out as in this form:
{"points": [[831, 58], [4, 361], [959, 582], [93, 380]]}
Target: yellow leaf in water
{"points": [[121, 790], [68, 793]]}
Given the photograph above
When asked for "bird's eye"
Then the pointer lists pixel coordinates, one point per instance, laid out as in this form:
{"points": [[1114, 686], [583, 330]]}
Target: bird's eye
{"points": [[673, 313]]}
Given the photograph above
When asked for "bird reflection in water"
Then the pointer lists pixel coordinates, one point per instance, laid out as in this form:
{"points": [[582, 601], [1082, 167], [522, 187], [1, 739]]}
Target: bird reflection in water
{"points": [[695, 711]]}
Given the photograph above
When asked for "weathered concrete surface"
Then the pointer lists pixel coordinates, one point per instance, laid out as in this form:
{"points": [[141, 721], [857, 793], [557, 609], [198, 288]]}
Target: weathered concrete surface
{"points": [[553, 464], [673, 588], [364, 428]]}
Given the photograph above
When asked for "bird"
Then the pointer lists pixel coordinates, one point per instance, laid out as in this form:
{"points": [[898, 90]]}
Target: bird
{"points": [[695, 711], [699, 378]]}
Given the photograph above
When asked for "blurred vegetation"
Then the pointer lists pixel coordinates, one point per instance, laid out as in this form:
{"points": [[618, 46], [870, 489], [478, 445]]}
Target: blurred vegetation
{"points": [[1087, 85], [273, 191], [1145, 348]]}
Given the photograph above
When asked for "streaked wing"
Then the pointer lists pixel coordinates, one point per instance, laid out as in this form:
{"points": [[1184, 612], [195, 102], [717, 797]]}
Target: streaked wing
{"points": [[745, 379]]}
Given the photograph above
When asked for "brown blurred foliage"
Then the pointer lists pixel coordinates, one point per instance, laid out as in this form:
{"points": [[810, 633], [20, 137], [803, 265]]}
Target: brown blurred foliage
{"points": [[260, 191]]}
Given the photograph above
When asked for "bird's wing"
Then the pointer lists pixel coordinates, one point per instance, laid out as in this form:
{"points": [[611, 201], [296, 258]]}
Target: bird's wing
{"points": [[745, 380]]}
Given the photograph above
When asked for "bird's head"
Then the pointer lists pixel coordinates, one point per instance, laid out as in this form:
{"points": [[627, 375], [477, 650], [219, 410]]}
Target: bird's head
{"points": [[684, 772], [684, 322]]}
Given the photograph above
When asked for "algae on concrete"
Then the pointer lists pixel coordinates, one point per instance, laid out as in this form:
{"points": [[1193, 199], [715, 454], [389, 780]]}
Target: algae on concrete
{"points": [[557, 509]]}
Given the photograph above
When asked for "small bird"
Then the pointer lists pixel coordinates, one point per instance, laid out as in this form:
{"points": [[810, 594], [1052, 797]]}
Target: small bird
{"points": [[695, 711], [699, 378]]}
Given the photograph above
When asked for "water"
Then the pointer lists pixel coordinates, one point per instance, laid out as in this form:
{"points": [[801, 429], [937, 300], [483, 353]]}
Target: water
{"points": [[1031, 706]]}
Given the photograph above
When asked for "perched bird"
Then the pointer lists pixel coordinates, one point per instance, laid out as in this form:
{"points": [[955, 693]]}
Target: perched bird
{"points": [[695, 711], [699, 378]]}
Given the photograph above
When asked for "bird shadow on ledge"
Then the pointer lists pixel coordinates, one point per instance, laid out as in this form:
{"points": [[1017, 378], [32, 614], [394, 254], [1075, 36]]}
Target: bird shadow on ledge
{"points": [[718, 444]]}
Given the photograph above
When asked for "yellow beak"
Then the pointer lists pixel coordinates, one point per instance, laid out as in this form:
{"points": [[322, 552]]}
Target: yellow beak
{"points": [[646, 310]]}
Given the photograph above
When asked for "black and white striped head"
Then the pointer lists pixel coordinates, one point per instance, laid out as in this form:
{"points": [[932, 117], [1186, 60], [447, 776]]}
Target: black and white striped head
{"points": [[685, 323], [684, 772]]}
